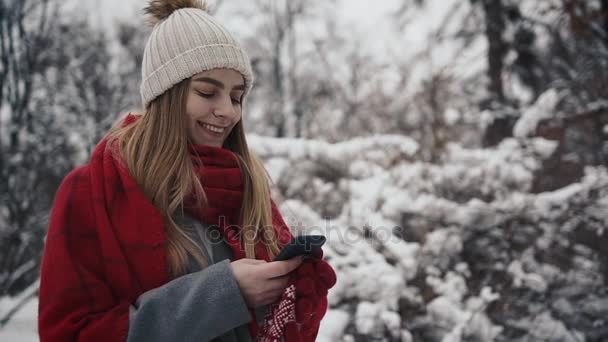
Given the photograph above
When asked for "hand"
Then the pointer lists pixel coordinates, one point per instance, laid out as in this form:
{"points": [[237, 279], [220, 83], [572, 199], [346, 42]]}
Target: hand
{"points": [[262, 282], [314, 278]]}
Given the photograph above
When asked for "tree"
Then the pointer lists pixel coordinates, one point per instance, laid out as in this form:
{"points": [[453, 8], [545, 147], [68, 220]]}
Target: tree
{"points": [[31, 152], [279, 28], [55, 75], [280, 51], [497, 48]]}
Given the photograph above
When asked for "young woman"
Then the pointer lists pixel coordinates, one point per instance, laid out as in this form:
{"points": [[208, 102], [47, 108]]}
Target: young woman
{"points": [[168, 232]]}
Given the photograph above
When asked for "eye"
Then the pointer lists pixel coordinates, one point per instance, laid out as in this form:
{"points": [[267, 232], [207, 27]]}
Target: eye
{"points": [[236, 101], [205, 94]]}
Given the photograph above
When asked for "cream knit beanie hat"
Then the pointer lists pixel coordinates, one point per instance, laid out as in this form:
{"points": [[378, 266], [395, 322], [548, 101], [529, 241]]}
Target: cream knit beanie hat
{"points": [[185, 41]]}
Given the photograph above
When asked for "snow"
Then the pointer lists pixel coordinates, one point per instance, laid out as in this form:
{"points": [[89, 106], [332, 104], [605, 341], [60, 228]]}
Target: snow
{"points": [[547, 328], [550, 200], [405, 254], [376, 269], [333, 325], [451, 116], [544, 108], [367, 318], [293, 149], [544, 147], [400, 229], [23, 325], [521, 278]]}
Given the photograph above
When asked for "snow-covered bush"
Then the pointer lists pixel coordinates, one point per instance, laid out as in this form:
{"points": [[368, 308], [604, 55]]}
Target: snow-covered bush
{"points": [[460, 250]]}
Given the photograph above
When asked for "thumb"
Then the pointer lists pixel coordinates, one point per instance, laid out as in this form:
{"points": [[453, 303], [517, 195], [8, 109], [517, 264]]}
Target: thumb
{"points": [[279, 268]]}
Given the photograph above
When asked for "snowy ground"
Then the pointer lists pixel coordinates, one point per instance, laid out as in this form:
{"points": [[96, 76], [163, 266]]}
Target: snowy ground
{"points": [[22, 326]]}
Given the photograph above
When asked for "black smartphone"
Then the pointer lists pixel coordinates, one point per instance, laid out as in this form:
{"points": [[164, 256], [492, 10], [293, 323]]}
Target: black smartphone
{"points": [[301, 245]]}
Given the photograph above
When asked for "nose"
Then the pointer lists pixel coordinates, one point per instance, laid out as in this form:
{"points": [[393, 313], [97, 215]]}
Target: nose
{"points": [[224, 108]]}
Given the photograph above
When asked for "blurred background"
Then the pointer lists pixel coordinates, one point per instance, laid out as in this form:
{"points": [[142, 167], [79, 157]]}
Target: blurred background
{"points": [[453, 151]]}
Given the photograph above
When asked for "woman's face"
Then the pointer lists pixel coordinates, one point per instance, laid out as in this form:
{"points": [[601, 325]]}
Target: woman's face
{"points": [[214, 105]]}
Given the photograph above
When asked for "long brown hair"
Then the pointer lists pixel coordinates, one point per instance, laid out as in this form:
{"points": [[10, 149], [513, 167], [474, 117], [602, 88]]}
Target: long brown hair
{"points": [[156, 152]]}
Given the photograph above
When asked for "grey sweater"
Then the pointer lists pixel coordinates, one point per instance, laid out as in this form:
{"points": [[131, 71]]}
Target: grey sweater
{"points": [[204, 305]]}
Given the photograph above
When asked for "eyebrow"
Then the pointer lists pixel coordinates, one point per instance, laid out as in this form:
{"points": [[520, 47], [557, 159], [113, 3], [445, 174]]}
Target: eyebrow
{"points": [[218, 83]]}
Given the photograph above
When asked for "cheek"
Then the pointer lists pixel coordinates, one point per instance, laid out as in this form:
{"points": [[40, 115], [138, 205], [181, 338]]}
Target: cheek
{"points": [[196, 104], [192, 107], [238, 116], [191, 120]]}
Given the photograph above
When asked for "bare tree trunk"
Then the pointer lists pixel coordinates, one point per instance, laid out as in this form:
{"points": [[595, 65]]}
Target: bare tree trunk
{"points": [[605, 20], [495, 26], [286, 111], [293, 8], [277, 77], [277, 72]]}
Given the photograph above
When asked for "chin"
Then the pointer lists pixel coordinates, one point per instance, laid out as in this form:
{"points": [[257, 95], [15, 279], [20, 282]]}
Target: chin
{"points": [[210, 143]]}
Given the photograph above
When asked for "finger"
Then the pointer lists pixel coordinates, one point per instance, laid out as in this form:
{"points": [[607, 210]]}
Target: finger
{"points": [[275, 269], [254, 261], [271, 297], [279, 283]]}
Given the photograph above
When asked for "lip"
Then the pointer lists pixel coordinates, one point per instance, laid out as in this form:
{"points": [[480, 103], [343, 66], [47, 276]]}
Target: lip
{"points": [[211, 133], [206, 123]]}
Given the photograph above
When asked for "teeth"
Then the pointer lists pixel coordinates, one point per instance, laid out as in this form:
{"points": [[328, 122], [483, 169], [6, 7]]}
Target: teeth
{"points": [[213, 128]]}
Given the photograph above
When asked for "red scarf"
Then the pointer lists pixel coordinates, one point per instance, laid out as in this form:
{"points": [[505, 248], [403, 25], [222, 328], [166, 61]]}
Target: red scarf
{"points": [[106, 246]]}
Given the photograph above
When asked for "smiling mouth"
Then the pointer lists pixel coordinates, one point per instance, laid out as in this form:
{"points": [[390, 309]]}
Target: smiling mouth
{"points": [[211, 128]]}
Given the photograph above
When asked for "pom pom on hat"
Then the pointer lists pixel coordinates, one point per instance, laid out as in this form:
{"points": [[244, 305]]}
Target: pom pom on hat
{"points": [[159, 10]]}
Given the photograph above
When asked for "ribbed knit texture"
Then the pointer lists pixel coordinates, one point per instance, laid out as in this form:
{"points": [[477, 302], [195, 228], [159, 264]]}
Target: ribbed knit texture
{"points": [[188, 42]]}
